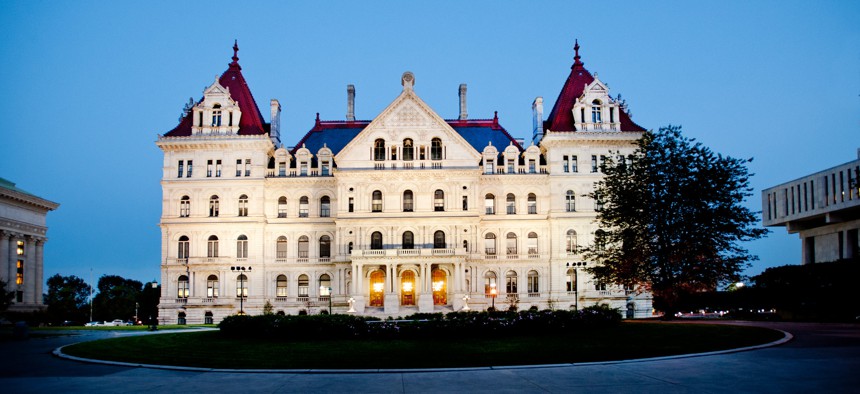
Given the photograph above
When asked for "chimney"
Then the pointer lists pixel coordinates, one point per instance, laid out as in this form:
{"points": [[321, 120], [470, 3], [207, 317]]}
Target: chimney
{"points": [[350, 103], [275, 129], [537, 120], [463, 114]]}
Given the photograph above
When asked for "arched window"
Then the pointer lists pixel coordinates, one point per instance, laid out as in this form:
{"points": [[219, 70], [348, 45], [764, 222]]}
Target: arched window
{"points": [[408, 150], [532, 244], [303, 247], [281, 247], [212, 247], [376, 203], [281, 286], [379, 150], [532, 204], [439, 240], [182, 287], [511, 204], [303, 207], [325, 246], [511, 282], [241, 286], [216, 115], [376, 240], [303, 285], [490, 244], [533, 282], [599, 240], [570, 242], [436, 149], [511, 244], [212, 286], [282, 207], [213, 206], [595, 111], [569, 201], [407, 201], [185, 207], [490, 204], [408, 240], [184, 248], [490, 283], [325, 207], [243, 205], [325, 285], [571, 280], [438, 200], [242, 247]]}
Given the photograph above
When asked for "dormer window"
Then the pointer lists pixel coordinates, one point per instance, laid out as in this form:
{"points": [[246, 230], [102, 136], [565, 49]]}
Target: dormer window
{"points": [[408, 150], [436, 149], [216, 115], [595, 112], [379, 150]]}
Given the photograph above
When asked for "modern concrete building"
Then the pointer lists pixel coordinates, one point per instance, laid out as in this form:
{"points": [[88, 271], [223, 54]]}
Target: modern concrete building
{"points": [[403, 213], [822, 208], [23, 231]]}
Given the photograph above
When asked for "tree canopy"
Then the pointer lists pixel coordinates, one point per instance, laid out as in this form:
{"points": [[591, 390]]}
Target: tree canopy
{"points": [[672, 218], [67, 298], [116, 298]]}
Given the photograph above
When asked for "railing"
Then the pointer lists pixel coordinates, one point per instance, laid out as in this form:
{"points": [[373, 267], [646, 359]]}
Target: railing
{"points": [[314, 172], [512, 297], [181, 300], [532, 295], [443, 252], [512, 256], [407, 252], [280, 299], [302, 298], [209, 300], [323, 298]]}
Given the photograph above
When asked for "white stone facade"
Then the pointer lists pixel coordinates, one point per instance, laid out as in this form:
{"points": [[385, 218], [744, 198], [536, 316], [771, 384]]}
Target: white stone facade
{"points": [[23, 233], [822, 208], [375, 227]]}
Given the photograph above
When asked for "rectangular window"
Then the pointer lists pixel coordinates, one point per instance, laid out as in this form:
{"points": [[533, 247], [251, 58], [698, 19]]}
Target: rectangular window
{"points": [[510, 166], [811, 193], [282, 169], [841, 187], [785, 193], [833, 186], [593, 163], [217, 168], [602, 161], [351, 205], [532, 166], [304, 169], [566, 164], [465, 203], [792, 201], [611, 115], [238, 167], [190, 167], [325, 169], [19, 276], [208, 168], [20, 250], [489, 168], [769, 217], [181, 168], [573, 166], [247, 167], [805, 198]]}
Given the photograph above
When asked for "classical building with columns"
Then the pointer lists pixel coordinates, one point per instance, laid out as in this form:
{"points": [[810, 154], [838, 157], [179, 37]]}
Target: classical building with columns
{"points": [[23, 232], [822, 208], [407, 212]]}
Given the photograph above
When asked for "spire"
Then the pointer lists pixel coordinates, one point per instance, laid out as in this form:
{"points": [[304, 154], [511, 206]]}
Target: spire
{"points": [[576, 61], [235, 58]]}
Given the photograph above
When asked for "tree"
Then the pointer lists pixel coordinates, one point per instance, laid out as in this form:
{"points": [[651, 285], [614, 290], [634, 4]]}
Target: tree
{"points": [[116, 297], [672, 218], [5, 297], [67, 298], [148, 300]]}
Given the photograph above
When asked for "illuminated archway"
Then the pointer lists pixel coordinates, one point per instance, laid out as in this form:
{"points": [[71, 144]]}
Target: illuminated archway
{"points": [[407, 288], [440, 287], [377, 288]]}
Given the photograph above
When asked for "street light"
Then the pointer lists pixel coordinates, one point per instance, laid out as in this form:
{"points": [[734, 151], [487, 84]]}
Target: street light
{"points": [[493, 294], [241, 292]]}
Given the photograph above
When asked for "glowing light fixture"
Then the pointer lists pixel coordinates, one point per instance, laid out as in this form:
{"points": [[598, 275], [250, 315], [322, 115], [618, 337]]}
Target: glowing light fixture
{"points": [[377, 287], [437, 286], [407, 286]]}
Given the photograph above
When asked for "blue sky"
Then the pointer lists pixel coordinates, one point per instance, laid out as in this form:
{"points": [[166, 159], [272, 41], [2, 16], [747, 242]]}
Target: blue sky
{"points": [[88, 86]]}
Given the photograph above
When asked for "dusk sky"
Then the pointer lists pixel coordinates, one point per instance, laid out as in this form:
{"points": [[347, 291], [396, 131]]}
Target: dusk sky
{"points": [[88, 86]]}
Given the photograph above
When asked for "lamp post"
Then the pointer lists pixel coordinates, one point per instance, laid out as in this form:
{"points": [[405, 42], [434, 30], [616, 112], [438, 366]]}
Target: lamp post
{"points": [[154, 322], [493, 294], [241, 292], [136, 306]]}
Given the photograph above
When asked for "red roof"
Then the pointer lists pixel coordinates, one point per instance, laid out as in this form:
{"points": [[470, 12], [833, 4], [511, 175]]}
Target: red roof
{"points": [[251, 122], [561, 116]]}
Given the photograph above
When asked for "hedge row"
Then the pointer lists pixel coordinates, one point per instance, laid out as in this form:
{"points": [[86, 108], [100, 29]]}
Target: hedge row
{"points": [[422, 325]]}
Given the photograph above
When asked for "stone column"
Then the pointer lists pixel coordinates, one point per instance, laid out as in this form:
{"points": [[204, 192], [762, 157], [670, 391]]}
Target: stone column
{"points": [[40, 268], [5, 260], [29, 270]]}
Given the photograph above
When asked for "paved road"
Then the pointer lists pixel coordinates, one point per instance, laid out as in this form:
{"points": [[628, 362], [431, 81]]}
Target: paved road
{"points": [[822, 358]]}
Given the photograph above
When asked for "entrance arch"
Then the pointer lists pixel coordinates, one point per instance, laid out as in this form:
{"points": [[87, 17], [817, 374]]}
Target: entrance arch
{"points": [[407, 288], [377, 288], [440, 287]]}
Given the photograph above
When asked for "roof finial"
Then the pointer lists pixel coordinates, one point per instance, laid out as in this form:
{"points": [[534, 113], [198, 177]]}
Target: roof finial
{"points": [[235, 51], [576, 61], [496, 118]]}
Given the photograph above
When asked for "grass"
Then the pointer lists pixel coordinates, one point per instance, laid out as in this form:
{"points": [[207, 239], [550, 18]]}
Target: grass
{"points": [[119, 328], [626, 341]]}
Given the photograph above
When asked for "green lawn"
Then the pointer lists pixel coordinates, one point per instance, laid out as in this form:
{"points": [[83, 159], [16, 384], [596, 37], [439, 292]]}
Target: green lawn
{"points": [[119, 328], [627, 341]]}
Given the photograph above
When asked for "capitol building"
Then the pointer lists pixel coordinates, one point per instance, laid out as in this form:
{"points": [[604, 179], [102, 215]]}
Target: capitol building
{"points": [[408, 212]]}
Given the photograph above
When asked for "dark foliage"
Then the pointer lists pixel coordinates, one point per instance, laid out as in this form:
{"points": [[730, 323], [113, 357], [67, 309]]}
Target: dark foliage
{"points": [[5, 297], [423, 325], [672, 218], [67, 299]]}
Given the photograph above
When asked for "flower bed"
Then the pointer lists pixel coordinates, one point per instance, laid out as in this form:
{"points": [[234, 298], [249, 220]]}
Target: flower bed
{"points": [[422, 325]]}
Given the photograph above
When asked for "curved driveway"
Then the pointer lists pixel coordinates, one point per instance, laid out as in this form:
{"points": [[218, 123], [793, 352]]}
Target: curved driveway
{"points": [[821, 358]]}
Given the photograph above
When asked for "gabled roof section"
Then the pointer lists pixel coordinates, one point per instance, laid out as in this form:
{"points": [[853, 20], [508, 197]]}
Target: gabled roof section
{"points": [[251, 122], [561, 116], [336, 134]]}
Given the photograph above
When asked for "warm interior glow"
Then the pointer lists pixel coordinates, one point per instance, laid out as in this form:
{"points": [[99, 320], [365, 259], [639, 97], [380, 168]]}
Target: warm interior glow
{"points": [[437, 286], [377, 287], [407, 286]]}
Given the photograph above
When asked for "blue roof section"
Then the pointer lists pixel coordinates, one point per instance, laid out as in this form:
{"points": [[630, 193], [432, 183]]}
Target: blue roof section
{"points": [[478, 137], [334, 139]]}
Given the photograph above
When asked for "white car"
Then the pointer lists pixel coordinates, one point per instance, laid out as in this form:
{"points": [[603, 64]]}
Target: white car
{"points": [[95, 324], [116, 322]]}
